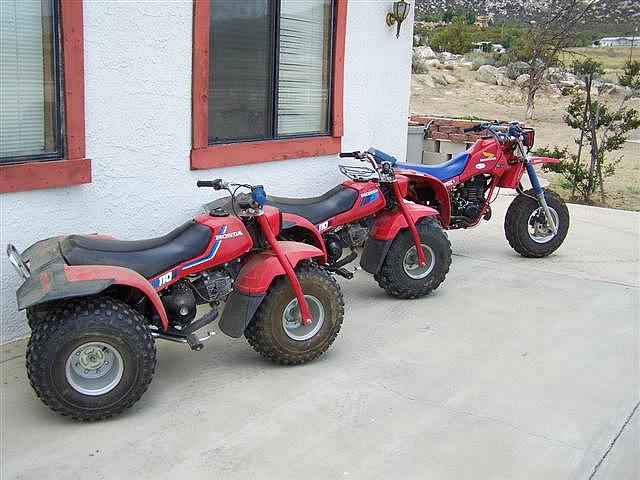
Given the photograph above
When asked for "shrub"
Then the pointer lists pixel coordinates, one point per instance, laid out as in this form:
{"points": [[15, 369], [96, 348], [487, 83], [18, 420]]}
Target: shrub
{"points": [[631, 75], [418, 65], [515, 69]]}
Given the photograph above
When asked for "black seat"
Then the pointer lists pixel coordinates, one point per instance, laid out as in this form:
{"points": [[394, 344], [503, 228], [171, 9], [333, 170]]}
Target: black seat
{"points": [[147, 257], [316, 209]]}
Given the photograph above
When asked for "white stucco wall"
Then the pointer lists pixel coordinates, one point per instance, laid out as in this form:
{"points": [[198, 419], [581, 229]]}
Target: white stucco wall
{"points": [[138, 130]]}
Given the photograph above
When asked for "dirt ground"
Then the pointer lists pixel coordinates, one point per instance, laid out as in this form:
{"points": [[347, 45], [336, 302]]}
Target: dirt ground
{"points": [[468, 97]]}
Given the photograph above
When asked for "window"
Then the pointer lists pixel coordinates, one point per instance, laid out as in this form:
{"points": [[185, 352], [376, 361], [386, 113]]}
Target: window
{"points": [[269, 69], [42, 95], [30, 80], [267, 80]]}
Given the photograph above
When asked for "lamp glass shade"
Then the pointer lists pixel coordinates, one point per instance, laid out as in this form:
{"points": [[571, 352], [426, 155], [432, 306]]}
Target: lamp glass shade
{"points": [[400, 10]]}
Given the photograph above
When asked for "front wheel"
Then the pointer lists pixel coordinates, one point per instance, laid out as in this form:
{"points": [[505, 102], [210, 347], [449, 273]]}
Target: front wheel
{"points": [[91, 358], [402, 276], [525, 224], [276, 330]]}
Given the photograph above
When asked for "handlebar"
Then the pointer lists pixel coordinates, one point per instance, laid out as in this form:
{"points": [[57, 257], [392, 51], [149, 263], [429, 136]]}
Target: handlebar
{"points": [[357, 154], [511, 132], [256, 199]]}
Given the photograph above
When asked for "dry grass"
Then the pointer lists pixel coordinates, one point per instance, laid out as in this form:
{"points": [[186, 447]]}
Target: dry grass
{"points": [[612, 58]]}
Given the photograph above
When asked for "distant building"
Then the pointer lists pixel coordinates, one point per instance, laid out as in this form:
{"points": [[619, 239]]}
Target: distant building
{"points": [[488, 47], [616, 42]]}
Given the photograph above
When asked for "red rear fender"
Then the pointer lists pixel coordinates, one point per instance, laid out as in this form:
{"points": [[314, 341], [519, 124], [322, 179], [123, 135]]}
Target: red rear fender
{"points": [[119, 276], [539, 160], [291, 221], [426, 188]]}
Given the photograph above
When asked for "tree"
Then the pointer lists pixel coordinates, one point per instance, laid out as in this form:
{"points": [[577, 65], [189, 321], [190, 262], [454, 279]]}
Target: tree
{"points": [[471, 17], [447, 16], [602, 130], [542, 42], [454, 38]]}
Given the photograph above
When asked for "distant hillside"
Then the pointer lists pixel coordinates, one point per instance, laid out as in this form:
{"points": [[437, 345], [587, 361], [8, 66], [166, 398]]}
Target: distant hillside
{"points": [[623, 13]]}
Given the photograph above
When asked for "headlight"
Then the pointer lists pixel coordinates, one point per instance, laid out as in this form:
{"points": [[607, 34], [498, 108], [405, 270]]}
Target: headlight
{"points": [[17, 261]]}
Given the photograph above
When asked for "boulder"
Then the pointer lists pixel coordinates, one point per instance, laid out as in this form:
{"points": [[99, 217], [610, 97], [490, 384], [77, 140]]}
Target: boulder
{"points": [[522, 80], [562, 78], [434, 62], [503, 80], [487, 74], [443, 78], [424, 53], [450, 57]]}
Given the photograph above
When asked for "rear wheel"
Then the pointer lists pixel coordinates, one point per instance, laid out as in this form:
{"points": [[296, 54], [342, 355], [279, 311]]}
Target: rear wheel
{"points": [[402, 276], [276, 330], [91, 358], [525, 224]]}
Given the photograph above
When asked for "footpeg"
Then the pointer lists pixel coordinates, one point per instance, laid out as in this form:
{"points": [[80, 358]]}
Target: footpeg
{"points": [[343, 261], [196, 343], [343, 272]]}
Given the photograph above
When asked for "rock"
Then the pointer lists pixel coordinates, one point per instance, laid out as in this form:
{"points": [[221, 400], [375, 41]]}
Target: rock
{"points": [[522, 80], [443, 78], [613, 89], [502, 70], [450, 78], [434, 62], [424, 52], [451, 57], [503, 80], [487, 74], [563, 78]]}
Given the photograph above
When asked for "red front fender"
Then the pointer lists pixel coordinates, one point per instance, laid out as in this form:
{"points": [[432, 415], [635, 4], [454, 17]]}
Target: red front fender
{"points": [[387, 224], [258, 272], [539, 160], [119, 276]]}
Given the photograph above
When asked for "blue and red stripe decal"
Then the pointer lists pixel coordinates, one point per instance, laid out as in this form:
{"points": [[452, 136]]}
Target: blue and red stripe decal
{"points": [[210, 255]]}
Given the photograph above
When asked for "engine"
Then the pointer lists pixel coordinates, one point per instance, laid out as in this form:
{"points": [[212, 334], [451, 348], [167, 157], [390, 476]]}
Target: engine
{"points": [[181, 299], [351, 235], [468, 199], [180, 304]]}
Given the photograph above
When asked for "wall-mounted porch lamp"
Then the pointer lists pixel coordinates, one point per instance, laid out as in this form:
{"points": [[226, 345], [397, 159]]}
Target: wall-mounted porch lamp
{"points": [[399, 14]]}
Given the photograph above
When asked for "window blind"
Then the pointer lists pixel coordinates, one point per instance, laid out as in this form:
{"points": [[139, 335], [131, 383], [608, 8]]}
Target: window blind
{"points": [[303, 73], [22, 83]]}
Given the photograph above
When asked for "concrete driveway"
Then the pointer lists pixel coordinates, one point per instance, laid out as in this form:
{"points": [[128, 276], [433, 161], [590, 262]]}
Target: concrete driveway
{"points": [[514, 368]]}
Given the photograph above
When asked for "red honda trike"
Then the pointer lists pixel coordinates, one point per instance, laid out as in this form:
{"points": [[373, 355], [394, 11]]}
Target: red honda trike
{"points": [[462, 188], [96, 305], [404, 245]]}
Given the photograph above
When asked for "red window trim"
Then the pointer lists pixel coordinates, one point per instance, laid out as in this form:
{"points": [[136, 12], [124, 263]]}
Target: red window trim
{"points": [[75, 169], [205, 156]]}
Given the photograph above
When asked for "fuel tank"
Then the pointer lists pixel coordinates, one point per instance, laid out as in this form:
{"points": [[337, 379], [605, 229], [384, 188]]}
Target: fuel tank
{"points": [[229, 240]]}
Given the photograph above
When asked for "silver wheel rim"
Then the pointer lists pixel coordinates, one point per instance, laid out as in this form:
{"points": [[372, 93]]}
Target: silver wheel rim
{"points": [[537, 227], [94, 368], [411, 265], [292, 320]]}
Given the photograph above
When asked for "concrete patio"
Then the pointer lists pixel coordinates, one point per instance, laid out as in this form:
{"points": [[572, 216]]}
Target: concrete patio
{"points": [[513, 369]]}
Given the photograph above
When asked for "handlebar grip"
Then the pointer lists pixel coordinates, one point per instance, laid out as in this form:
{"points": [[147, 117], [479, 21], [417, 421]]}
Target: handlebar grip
{"points": [[470, 129], [215, 184], [349, 154]]}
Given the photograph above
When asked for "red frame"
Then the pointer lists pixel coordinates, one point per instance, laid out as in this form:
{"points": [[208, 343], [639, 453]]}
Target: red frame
{"points": [[205, 156], [75, 168]]}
